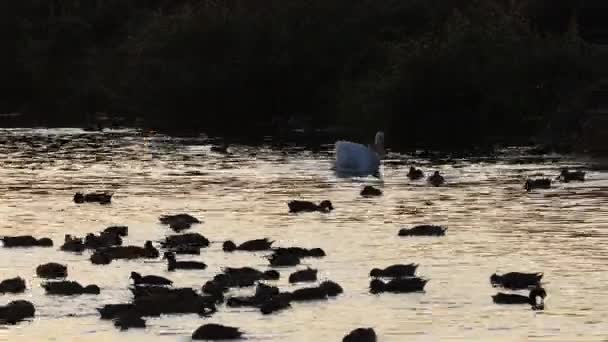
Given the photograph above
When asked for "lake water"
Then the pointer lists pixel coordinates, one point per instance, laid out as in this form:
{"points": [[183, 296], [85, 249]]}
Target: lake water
{"points": [[493, 226]]}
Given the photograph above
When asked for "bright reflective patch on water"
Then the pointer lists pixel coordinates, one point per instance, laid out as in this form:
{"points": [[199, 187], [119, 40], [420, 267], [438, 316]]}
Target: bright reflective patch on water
{"points": [[493, 226]]}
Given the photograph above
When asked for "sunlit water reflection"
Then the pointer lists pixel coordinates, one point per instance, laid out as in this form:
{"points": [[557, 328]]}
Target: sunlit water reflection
{"points": [[493, 226]]}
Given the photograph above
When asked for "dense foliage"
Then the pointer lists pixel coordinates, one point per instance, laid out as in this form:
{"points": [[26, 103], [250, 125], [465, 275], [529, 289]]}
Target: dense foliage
{"points": [[425, 71]]}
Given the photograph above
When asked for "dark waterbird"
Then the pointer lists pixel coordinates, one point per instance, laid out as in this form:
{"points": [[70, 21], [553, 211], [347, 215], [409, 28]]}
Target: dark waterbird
{"points": [[307, 275], [138, 279], [394, 271], [191, 250], [516, 280], [283, 260], [69, 288], [157, 305], [300, 252], [398, 285], [25, 241], [117, 230], [125, 252], [111, 311], [173, 264], [423, 230], [370, 191], [215, 332], [149, 291], [52, 270], [509, 298], [238, 277], [415, 174], [276, 303], [323, 291], [249, 246], [16, 311], [532, 184], [263, 294], [179, 222], [95, 197], [72, 244], [436, 179], [12, 285], [361, 335], [103, 240], [569, 176], [185, 240], [305, 206]]}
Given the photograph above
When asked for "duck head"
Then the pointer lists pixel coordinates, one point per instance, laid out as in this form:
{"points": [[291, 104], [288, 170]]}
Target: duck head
{"points": [[326, 205], [538, 292], [495, 279], [229, 246], [376, 286], [135, 276], [376, 272]]}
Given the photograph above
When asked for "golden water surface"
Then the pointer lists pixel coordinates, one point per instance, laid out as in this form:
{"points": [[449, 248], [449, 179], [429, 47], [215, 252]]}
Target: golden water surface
{"points": [[493, 225]]}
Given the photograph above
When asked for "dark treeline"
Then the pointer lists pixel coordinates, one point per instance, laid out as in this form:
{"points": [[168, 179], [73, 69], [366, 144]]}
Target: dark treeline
{"points": [[425, 71]]}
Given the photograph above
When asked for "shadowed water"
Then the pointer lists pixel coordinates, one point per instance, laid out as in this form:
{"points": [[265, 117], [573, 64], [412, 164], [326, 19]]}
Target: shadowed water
{"points": [[493, 226]]}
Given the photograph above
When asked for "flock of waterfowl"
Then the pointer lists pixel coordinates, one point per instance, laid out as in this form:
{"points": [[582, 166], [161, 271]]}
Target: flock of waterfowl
{"points": [[155, 295]]}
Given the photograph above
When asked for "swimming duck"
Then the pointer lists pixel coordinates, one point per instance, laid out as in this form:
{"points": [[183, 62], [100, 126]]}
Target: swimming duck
{"points": [[52, 270], [305, 206], [276, 303], [179, 222], [69, 288], [394, 271], [423, 230], [532, 184], [16, 311], [100, 258], [361, 335], [300, 252], [131, 252], [370, 191], [95, 197], [151, 291], [567, 176], [25, 241], [508, 298], [216, 332], [516, 280], [138, 279], [306, 275], [192, 250], [72, 244], [174, 304], [103, 240], [323, 291], [173, 264], [283, 260], [398, 285], [189, 239], [263, 293], [251, 245], [117, 230], [436, 179], [415, 174], [12, 285]]}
